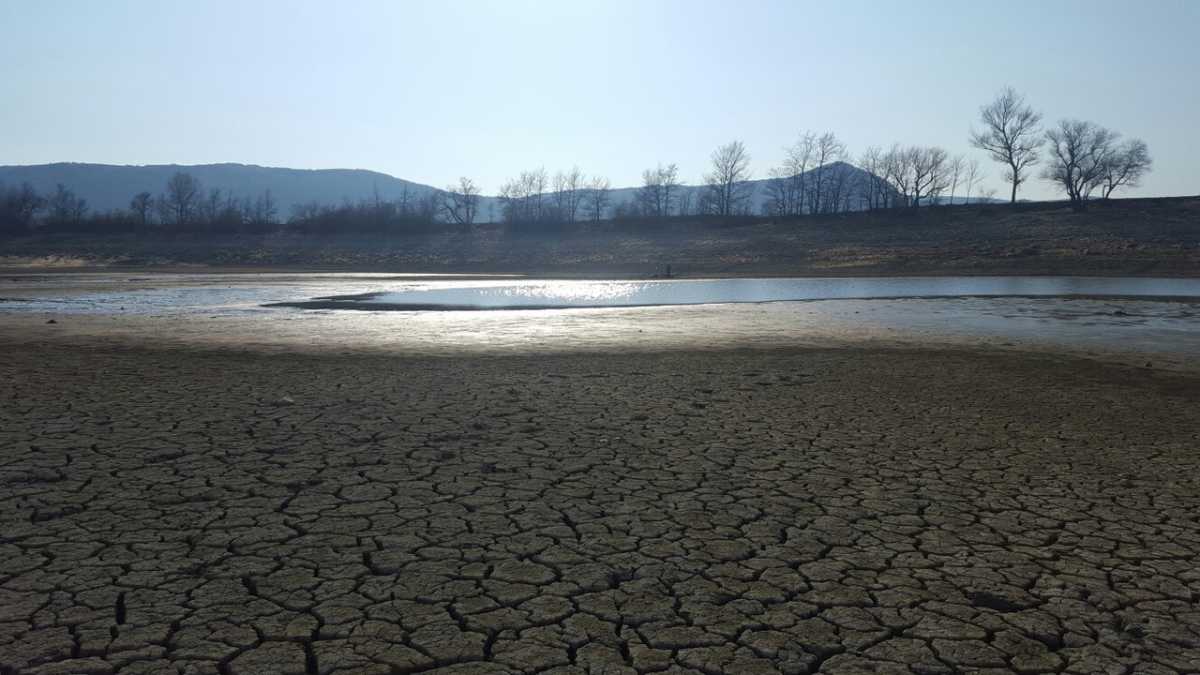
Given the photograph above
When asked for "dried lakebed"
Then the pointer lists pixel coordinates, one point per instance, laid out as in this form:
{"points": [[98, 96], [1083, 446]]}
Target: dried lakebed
{"points": [[833, 511]]}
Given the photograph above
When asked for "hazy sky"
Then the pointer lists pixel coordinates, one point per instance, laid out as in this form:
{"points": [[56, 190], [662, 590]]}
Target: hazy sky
{"points": [[429, 91]]}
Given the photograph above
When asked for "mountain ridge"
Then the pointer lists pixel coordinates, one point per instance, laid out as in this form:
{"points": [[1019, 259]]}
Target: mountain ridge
{"points": [[111, 186]]}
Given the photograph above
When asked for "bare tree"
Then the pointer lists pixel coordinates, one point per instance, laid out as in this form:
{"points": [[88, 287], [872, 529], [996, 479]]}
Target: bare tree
{"points": [[1011, 135], [523, 198], [971, 176], [787, 188], [897, 165], [685, 205], [927, 167], [955, 169], [1130, 161], [826, 149], [264, 209], [140, 206], [659, 192], [597, 198], [1080, 154], [460, 202], [209, 208], [568, 193], [875, 188], [183, 193], [727, 187], [65, 207]]}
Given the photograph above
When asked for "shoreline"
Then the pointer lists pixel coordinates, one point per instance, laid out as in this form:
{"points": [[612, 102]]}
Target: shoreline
{"points": [[556, 273]]}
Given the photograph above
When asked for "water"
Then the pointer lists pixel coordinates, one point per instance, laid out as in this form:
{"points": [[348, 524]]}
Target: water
{"points": [[1151, 319], [560, 294]]}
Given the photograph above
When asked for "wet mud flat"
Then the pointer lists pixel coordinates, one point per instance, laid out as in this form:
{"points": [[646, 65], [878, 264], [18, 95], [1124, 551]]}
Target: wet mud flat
{"points": [[743, 511]]}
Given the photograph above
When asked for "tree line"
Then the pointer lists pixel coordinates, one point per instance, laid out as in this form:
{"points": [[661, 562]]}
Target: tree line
{"points": [[186, 207], [1082, 159]]}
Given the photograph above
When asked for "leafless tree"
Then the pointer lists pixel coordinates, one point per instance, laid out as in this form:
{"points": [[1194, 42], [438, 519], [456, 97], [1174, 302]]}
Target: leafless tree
{"points": [[659, 192], [876, 190], [726, 185], [897, 165], [140, 206], [826, 149], [928, 173], [686, 204], [208, 208], [460, 203], [787, 189], [183, 195], [65, 207], [568, 193], [972, 175], [1011, 135], [1130, 161], [780, 196], [523, 198], [1080, 154], [597, 198], [956, 168], [264, 210]]}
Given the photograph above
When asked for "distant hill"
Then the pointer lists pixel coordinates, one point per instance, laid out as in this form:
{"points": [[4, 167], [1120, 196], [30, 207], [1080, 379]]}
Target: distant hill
{"points": [[107, 186]]}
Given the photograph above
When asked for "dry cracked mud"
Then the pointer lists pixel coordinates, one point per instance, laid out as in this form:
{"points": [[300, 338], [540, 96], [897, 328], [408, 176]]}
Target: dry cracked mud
{"points": [[792, 511]]}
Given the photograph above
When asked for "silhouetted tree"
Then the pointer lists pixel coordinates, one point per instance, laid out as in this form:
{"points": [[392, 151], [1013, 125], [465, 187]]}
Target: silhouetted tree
{"points": [[787, 187], [523, 198], [568, 194], [659, 192], [264, 210], [826, 149], [876, 192], [1129, 162], [182, 197], [65, 208], [597, 199], [726, 184], [956, 167], [140, 206], [928, 173], [1011, 135], [460, 203], [18, 205], [971, 176], [897, 166], [1080, 155]]}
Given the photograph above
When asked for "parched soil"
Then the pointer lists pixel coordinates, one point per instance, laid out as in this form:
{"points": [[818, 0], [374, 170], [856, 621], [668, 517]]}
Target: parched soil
{"points": [[832, 511]]}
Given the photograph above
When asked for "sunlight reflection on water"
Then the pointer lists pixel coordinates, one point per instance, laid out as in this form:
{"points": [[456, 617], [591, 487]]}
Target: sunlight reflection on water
{"points": [[565, 294], [610, 315]]}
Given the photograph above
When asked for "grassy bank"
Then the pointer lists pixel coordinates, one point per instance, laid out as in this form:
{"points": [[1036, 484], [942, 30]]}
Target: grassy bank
{"points": [[1158, 236]]}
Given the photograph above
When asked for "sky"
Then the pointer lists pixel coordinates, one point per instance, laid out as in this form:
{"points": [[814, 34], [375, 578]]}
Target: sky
{"points": [[430, 91]]}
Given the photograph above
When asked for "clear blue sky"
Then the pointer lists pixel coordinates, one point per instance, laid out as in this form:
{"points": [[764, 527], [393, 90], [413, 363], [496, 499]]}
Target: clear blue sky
{"points": [[429, 91]]}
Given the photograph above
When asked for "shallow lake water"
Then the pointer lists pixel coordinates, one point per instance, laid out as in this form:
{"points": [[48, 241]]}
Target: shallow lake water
{"points": [[1137, 318], [557, 294]]}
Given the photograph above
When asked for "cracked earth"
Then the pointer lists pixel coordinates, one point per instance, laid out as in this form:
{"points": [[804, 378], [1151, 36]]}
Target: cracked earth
{"points": [[791, 511]]}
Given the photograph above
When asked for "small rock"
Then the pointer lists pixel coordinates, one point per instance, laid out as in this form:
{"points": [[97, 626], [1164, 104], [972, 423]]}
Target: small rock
{"points": [[285, 400], [51, 321]]}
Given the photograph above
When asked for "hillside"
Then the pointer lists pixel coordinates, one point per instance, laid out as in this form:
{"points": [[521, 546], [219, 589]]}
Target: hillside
{"points": [[1130, 236], [107, 187]]}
